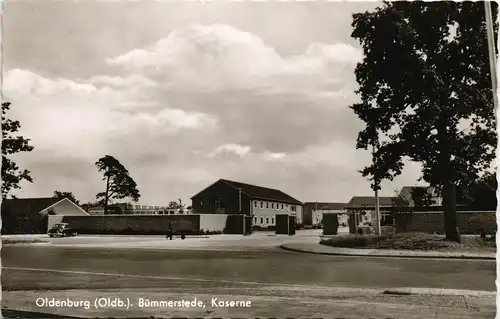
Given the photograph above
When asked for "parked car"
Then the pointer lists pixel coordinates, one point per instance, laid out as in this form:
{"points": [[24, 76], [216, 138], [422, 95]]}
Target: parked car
{"points": [[61, 230]]}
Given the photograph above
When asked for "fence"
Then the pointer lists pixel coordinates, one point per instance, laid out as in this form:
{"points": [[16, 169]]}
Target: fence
{"points": [[151, 224]]}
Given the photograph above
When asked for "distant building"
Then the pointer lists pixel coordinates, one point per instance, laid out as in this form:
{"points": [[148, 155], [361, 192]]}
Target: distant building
{"points": [[135, 209], [313, 212], [363, 209], [262, 203], [407, 191], [30, 215]]}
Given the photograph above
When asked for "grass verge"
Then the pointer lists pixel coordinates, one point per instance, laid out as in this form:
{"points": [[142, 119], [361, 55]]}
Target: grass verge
{"points": [[411, 241]]}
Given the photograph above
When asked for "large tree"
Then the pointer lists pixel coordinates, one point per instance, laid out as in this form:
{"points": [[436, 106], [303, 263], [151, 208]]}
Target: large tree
{"points": [[12, 143], [119, 184], [426, 94], [58, 195]]}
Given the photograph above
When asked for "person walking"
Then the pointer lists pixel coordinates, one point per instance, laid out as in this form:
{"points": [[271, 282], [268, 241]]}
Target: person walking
{"points": [[169, 231]]}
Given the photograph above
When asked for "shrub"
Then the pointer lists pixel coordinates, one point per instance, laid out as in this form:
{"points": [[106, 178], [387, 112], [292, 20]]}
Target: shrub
{"points": [[352, 241]]}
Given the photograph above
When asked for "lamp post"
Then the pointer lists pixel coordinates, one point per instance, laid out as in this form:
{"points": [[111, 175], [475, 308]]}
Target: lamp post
{"points": [[377, 201]]}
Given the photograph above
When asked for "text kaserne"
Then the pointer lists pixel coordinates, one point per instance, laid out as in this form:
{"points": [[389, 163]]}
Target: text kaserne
{"points": [[218, 303]]}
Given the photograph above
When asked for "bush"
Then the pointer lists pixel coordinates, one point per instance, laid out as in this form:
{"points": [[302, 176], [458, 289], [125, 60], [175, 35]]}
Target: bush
{"points": [[352, 241]]}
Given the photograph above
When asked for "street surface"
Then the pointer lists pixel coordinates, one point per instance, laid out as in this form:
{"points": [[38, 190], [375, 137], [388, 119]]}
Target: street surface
{"points": [[279, 283]]}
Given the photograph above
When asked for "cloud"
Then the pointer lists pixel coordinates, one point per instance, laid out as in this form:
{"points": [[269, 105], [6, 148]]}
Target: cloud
{"points": [[244, 152], [26, 82], [239, 150], [116, 81], [203, 102], [220, 57], [68, 117]]}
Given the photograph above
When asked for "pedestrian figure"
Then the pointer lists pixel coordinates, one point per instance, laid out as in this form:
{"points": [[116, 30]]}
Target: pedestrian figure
{"points": [[170, 231]]}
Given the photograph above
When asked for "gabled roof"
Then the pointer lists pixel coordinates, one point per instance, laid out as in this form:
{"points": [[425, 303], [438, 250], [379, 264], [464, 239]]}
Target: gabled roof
{"points": [[408, 190], [325, 205], [27, 206], [259, 192], [31, 206], [369, 201]]}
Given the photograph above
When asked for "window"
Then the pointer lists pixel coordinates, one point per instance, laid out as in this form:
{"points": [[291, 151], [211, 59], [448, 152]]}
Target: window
{"points": [[267, 220], [261, 204], [272, 205], [219, 204], [281, 206], [293, 208], [254, 203], [255, 219], [272, 220], [267, 205], [262, 220]]}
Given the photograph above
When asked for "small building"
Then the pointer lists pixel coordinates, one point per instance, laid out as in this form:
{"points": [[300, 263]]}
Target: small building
{"points": [[313, 212], [262, 203], [30, 215], [363, 209], [407, 193]]}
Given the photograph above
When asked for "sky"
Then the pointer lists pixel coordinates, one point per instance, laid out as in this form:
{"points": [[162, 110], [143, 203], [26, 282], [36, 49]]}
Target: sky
{"points": [[186, 93]]}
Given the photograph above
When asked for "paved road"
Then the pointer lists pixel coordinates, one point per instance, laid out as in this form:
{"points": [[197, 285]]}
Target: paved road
{"points": [[273, 279], [270, 265]]}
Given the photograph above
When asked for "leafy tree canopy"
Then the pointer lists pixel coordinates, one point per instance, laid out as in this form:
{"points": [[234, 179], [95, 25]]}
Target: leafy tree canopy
{"points": [[426, 94], [12, 175], [69, 195]]}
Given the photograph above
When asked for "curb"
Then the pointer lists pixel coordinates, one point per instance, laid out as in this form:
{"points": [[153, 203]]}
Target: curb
{"points": [[438, 292], [297, 250]]}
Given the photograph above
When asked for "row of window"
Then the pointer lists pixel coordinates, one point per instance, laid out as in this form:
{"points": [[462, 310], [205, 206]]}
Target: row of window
{"points": [[277, 206], [260, 220]]}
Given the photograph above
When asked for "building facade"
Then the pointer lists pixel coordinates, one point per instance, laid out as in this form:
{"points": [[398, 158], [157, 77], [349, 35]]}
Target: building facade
{"points": [[30, 215], [313, 212], [408, 194], [262, 203], [362, 208]]}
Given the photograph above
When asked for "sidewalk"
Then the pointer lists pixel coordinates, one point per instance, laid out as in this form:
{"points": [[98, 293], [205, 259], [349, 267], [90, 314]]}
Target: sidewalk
{"points": [[264, 303], [316, 248]]}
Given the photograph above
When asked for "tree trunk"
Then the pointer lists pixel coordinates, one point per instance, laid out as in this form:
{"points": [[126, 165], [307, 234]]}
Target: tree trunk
{"points": [[106, 197], [450, 212], [448, 182]]}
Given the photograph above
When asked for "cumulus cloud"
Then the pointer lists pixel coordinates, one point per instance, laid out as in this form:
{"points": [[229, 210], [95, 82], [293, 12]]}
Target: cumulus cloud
{"points": [[67, 117], [243, 151], [116, 81], [27, 82], [221, 57], [239, 150], [202, 103]]}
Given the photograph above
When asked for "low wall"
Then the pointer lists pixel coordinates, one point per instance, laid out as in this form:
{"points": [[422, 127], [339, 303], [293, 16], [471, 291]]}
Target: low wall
{"points": [[213, 222], [150, 224], [433, 222]]}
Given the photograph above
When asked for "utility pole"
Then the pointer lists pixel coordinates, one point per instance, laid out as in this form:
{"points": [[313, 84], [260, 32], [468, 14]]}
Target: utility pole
{"points": [[491, 50], [377, 202], [239, 192]]}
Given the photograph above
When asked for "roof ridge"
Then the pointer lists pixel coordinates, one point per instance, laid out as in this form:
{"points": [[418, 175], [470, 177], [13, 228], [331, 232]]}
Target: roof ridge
{"points": [[231, 181]]}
